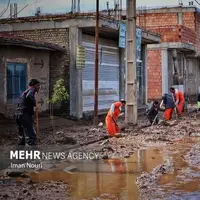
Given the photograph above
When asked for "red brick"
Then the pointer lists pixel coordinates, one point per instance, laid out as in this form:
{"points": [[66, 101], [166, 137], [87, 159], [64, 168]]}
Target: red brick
{"points": [[154, 74]]}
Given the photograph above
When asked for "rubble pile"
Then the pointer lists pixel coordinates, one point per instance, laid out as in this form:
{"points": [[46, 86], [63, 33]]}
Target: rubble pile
{"points": [[193, 156], [146, 183]]}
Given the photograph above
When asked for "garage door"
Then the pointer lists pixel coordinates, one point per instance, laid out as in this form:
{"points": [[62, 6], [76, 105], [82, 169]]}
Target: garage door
{"points": [[108, 73]]}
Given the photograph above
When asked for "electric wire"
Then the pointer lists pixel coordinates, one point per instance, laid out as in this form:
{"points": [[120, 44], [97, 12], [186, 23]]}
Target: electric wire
{"points": [[197, 2], [5, 10]]}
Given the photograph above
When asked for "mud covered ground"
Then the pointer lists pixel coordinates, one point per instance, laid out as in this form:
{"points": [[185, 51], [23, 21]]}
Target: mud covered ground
{"points": [[32, 191], [133, 138], [177, 179], [57, 131]]}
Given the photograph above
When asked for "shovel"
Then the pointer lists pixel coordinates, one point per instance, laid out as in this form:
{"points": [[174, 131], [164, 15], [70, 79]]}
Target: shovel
{"points": [[154, 120], [176, 113], [175, 109]]}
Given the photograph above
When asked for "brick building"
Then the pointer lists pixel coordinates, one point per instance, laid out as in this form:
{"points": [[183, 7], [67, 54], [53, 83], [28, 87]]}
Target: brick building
{"points": [[68, 31], [179, 49]]}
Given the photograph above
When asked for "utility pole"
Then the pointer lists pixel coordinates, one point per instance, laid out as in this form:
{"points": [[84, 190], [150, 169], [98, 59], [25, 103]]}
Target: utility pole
{"points": [[131, 79], [72, 6], [11, 10], [15, 10], [78, 6], [96, 84]]}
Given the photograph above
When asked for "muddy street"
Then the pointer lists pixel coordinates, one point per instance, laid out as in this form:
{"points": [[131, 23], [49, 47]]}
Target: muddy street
{"points": [[157, 162]]}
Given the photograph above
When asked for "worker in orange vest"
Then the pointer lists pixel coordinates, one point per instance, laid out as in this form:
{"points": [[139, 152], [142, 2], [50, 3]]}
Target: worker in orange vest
{"points": [[179, 99], [112, 116]]}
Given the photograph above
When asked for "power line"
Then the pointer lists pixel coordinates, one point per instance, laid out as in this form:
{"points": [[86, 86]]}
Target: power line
{"points": [[197, 2], [22, 8], [19, 11], [3, 12]]}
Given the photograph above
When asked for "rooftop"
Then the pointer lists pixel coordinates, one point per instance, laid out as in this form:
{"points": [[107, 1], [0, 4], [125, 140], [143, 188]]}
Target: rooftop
{"points": [[55, 17], [159, 9], [8, 39]]}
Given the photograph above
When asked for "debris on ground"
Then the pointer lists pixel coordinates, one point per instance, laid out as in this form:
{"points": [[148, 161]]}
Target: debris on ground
{"points": [[71, 169], [130, 140], [100, 124], [31, 191], [147, 182], [193, 156]]}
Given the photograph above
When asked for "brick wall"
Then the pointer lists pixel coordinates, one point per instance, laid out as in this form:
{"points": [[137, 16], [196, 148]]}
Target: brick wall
{"points": [[168, 33], [167, 25], [157, 19], [154, 74], [59, 62], [187, 35], [189, 20], [59, 68], [151, 20], [55, 36], [176, 33], [197, 24]]}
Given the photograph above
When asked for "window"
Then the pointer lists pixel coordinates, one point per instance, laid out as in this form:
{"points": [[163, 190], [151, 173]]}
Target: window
{"points": [[16, 81]]}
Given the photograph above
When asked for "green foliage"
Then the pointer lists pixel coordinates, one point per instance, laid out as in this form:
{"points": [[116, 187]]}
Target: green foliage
{"points": [[59, 92]]}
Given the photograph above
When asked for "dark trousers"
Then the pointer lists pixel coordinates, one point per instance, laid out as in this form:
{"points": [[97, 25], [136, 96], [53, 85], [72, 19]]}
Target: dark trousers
{"points": [[26, 129], [151, 119]]}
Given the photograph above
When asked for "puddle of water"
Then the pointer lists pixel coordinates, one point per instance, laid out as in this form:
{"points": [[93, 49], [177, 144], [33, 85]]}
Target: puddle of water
{"points": [[184, 179], [113, 179]]}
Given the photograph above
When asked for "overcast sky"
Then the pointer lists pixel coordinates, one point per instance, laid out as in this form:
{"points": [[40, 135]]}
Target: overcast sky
{"points": [[60, 6]]}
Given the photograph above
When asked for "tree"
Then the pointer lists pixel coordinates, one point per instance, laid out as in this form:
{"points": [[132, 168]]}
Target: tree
{"points": [[59, 95]]}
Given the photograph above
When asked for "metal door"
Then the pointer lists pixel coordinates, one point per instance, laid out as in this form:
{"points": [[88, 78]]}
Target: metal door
{"points": [[108, 74]]}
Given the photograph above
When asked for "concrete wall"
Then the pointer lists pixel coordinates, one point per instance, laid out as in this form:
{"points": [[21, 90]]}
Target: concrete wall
{"points": [[191, 85], [31, 58]]}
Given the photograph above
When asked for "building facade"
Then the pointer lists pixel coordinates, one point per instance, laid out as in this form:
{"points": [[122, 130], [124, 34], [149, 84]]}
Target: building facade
{"points": [[70, 31], [20, 61], [178, 51], [175, 61]]}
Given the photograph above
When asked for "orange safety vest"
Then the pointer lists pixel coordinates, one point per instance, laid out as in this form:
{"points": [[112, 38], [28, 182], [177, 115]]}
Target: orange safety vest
{"points": [[117, 110], [179, 96]]}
